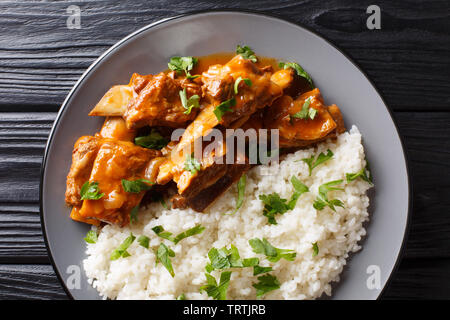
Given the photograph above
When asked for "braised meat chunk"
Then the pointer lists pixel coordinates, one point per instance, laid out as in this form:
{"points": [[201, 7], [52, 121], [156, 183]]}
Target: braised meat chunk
{"points": [[159, 103], [303, 121], [116, 160]]}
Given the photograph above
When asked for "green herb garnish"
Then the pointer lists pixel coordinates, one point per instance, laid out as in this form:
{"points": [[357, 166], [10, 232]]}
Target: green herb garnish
{"points": [[274, 204], [181, 297], [136, 186], [299, 70], [241, 192], [189, 104], [91, 236], [315, 248], [306, 111], [224, 107], [273, 254], [134, 214], [322, 200], [121, 250], [160, 232], [364, 173], [246, 53], [214, 290], [163, 255], [152, 141], [259, 270], [224, 258], [180, 64], [238, 80], [266, 284], [144, 241], [192, 165], [312, 163], [90, 191]]}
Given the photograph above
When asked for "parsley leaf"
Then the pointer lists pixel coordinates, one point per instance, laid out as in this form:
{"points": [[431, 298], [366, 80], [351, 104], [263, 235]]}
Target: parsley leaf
{"points": [[274, 204], [322, 199], [273, 254], [241, 191], [259, 270], [90, 191], [163, 255], [238, 80], [181, 297], [246, 53], [134, 214], [315, 248], [228, 258], [266, 284], [152, 141], [300, 188], [185, 64], [364, 173], [144, 241], [121, 250], [312, 163], [299, 70], [306, 111], [159, 230], [224, 107], [136, 186], [214, 290], [189, 104], [91, 236], [192, 165]]}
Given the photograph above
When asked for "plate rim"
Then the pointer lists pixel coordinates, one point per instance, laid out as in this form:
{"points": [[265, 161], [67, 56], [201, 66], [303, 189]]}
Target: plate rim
{"points": [[122, 41]]}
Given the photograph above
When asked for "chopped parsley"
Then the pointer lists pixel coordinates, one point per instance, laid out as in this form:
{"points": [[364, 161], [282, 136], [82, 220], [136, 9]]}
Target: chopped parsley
{"points": [[144, 241], [322, 200], [163, 255], [121, 251], [152, 141], [312, 162], [315, 248], [228, 258], [364, 174], [306, 111], [160, 232], [91, 236], [181, 297], [266, 284], [224, 107], [273, 254], [192, 165], [238, 80], [259, 270], [218, 291], [180, 64], [134, 214], [246, 53], [274, 204], [241, 192], [136, 186], [90, 191], [299, 70], [189, 104]]}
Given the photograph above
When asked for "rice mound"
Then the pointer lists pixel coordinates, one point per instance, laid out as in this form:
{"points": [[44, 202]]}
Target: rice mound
{"points": [[307, 277]]}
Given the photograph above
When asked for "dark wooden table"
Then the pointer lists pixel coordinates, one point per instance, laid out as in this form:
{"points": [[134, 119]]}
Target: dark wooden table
{"points": [[408, 59]]}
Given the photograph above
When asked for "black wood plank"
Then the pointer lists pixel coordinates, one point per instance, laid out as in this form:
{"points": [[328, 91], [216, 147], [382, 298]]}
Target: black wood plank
{"points": [[22, 142], [415, 279], [41, 58], [29, 282]]}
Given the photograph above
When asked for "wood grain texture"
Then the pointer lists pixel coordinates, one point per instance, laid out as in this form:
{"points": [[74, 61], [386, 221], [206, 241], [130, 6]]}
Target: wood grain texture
{"points": [[23, 137], [408, 59]]}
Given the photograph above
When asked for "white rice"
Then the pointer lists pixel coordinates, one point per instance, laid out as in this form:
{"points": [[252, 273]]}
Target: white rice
{"points": [[307, 277]]}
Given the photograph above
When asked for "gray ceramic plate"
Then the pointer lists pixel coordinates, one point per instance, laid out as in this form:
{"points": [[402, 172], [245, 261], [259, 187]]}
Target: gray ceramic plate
{"points": [[340, 80]]}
